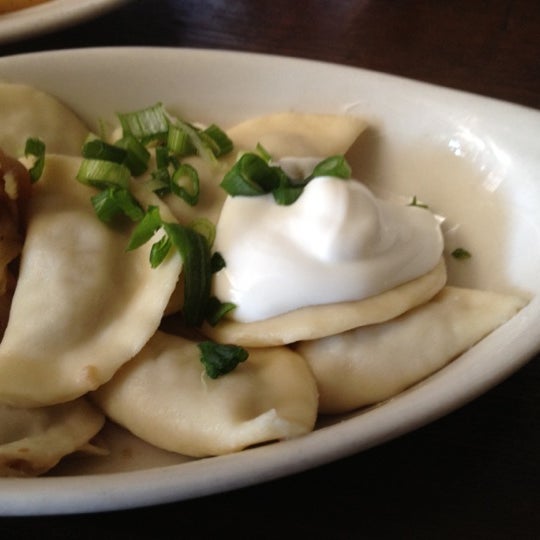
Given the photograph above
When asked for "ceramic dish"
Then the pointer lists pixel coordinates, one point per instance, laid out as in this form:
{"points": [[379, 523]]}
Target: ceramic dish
{"points": [[475, 160], [49, 16]]}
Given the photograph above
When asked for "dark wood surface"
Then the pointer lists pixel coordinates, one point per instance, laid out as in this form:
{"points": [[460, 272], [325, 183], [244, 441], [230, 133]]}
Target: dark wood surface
{"points": [[474, 473]]}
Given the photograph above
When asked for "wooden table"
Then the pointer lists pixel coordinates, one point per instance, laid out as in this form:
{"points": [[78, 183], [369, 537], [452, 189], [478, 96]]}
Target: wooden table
{"points": [[474, 473]]}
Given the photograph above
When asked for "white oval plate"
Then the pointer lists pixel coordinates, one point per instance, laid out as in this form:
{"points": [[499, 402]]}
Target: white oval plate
{"points": [[50, 16], [474, 160]]}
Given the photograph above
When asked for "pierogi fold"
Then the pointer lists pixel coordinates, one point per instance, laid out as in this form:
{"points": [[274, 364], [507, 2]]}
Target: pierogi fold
{"points": [[28, 112], [163, 397], [33, 441], [314, 322], [373, 363], [288, 134], [82, 305]]}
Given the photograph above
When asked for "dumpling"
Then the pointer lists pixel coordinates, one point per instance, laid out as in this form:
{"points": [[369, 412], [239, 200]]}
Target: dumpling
{"points": [[324, 320], [295, 134], [29, 112], [286, 134], [373, 363], [82, 305], [32, 441], [164, 397]]}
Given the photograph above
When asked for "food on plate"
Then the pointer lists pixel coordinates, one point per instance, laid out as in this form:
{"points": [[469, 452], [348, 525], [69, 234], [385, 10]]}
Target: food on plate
{"points": [[210, 290], [29, 112], [326, 319], [373, 363], [15, 185], [33, 441], [162, 397], [82, 306]]}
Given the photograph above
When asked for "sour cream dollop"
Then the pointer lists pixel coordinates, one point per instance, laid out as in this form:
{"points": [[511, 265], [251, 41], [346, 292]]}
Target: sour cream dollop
{"points": [[336, 243]]}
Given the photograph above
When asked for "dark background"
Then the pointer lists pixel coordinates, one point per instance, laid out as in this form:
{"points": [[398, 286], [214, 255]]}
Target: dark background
{"points": [[474, 473]]}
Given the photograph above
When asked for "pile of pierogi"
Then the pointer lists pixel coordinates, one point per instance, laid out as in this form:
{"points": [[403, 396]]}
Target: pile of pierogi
{"points": [[90, 332]]}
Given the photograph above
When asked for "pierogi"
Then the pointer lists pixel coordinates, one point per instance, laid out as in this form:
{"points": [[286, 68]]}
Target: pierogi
{"points": [[288, 134], [28, 112], [83, 305], [33, 441], [373, 363], [164, 397], [314, 322], [87, 317]]}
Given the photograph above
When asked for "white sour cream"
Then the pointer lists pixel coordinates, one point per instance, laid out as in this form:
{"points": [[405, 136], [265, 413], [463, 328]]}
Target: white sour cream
{"points": [[336, 243]]}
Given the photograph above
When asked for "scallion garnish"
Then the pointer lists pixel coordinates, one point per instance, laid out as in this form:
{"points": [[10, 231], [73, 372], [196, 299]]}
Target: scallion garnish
{"points": [[114, 201], [195, 253], [253, 174], [250, 175], [216, 310], [103, 174], [101, 150], [219, 359], [218, 140], [333, 166], [35, 148], [461, 254], [146, 228], [146, 125], [206, 228], [185, 183], [416, 202], [137, 155]]}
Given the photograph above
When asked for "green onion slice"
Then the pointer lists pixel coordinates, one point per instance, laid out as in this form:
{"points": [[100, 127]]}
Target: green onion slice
{"points": [[98, 149], [146, 228], [137, 155], [461, 254], [35, 147], [185, 183], [195, 254], [332, 166], [114, 201], [146, 125], [219, 359], [250, 175], [216, 310], [103, 174], [217, 139]]}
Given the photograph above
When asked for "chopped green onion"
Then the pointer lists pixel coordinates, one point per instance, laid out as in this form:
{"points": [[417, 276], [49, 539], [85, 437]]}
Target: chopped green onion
{"points": [[98, 149], [206, 228], [35, 147], [333, 166], [147, 124], [216, 310], [146, 228], [178, 141], [251, 175], [185, 183], [195, 254], [200, 146], [137, 155], [115, 200], [263, 152], [217, 262], [461, 254], [218, 140], [103, 174], [287, 192], [416, 202], [219, 359], [159, 251]]}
